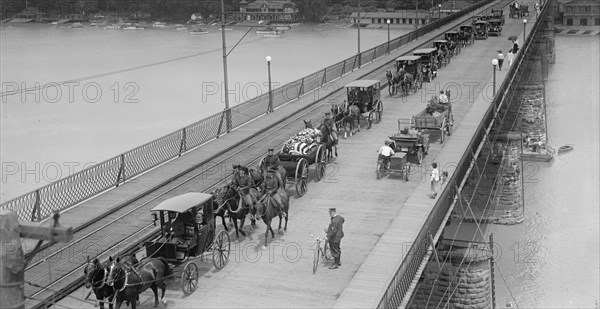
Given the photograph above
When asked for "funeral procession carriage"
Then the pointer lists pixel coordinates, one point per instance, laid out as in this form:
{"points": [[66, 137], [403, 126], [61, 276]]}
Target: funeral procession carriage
{"points": [[187, 231], [365, 95], [429, 64], [297, 154]]}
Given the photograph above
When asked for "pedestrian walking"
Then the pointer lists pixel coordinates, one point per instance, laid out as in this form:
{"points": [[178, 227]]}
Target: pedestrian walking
{"points": [[510, 57], [335, 232], [500, 60], [435, 177]]}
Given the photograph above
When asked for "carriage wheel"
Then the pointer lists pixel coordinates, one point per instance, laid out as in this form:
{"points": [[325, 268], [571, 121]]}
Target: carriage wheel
{"points": [[189, 278], [379, 111], [316, 260], [221, 248], [327, 252], [301, 176], [321, 164], [420, 155], [443, 130]]}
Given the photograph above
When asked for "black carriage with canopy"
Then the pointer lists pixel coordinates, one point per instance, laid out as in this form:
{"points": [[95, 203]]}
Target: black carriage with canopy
{"points": [[187, 230], [495, 27], [366, 95], [428, 62], [412, 65], [499, 14], [443, 48], [467, 32], [481, 29]]}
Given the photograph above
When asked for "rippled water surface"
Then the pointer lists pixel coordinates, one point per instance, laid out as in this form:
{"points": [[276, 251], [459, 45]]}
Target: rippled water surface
{"points": [[134, 86], [552, 259]]}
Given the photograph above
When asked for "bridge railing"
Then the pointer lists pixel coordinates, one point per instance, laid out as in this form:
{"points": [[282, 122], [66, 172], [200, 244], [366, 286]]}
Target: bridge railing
{"points": [[398, 289], [64, 193]]}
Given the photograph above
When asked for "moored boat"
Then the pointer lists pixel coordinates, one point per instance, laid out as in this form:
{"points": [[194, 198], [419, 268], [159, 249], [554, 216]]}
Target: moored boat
{"points": [[565, 148], [543, 154], [198, 31]]}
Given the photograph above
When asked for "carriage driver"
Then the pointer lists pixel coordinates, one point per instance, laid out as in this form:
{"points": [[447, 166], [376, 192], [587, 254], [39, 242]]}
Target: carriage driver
{"points": [[386, 153], [443, 98], [245, 187]]}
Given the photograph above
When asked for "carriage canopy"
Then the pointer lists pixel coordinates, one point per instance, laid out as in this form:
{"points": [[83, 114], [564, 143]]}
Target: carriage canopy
{"points": [[466, 28], [183, 203], [363, 83], [364, 93], [451, 35]]}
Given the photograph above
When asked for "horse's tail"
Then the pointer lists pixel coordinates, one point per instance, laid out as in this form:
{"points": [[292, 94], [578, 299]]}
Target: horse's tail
{"points": [[168, 270]]}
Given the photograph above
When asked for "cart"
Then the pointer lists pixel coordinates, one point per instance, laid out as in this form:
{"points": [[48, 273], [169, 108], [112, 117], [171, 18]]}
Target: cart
{"points": [[187, 231], [467, 32], [443, 48], [410, 141], [481, 30], [454, 38], [428, 62], [398, 165], [495, 27], [499, 14], [442, 121], [365, 94]]}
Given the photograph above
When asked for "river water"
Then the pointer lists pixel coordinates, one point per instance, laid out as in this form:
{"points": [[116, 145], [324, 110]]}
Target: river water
{"points": [[130, 87]]}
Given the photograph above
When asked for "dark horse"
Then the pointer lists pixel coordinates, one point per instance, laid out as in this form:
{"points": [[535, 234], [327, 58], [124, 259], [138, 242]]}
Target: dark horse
{"points": [[267, 208], [130, 283], [227, 205], [350, 113], [329, 140], [393, 80], [96, 276]]}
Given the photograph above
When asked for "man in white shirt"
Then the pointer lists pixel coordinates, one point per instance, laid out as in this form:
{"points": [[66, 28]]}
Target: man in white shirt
{"points": [[500, 60], [385, 153], [443, 98]]}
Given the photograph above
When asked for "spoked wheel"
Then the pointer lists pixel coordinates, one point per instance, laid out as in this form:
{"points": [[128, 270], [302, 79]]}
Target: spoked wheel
{"points": [[426, 151], [316, 260], [221, 248], [420, 155], [406, 171], [327, 252], [379, 171], [301, 176], [320, 162], [450, 124], [189, 278], [443, 130], [379, 111]]}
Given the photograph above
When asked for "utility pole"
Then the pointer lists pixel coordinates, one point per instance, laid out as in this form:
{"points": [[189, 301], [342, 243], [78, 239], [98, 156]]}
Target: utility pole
{"points": [[12, 261]]}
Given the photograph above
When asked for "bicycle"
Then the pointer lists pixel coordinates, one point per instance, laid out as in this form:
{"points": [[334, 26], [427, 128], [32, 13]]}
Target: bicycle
{"points": [[322, 252]]}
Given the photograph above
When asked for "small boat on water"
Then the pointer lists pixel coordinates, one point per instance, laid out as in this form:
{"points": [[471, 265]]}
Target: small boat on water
{"points": [[158, 24], [133, 28], [268, 30], [112, 27], [181, 28], [76, 25], [272, 36], [565, 148], [542, 154], [198, 31]]}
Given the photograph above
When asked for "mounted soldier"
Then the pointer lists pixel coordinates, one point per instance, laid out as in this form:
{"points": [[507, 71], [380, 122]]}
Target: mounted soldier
{"points": [[272, 166], [269, 188], [248, 194]]}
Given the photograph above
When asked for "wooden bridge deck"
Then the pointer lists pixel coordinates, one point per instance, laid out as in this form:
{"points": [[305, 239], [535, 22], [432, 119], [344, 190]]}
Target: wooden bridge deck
{"points": [[382, 216]]}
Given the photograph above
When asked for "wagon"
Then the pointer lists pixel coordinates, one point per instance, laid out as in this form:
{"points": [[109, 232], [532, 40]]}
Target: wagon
{"points": [[481, 29], [187, 231], [410, 141], [428, 62], [412, 65], [499, 14], [443, 46], [425, 121], [365, 94], [468, 31], [495, 27]]}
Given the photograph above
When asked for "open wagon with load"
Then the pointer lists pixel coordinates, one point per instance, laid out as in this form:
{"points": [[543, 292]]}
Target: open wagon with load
{"points": [[298, 153], [437, 116], [187, 230]]}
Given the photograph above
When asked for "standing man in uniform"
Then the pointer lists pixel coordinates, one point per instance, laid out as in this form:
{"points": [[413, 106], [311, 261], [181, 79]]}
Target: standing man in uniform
{"points": [[335, 232]]}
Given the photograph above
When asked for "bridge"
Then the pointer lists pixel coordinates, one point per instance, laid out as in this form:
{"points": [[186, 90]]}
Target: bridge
{"points": [[390, 224]]}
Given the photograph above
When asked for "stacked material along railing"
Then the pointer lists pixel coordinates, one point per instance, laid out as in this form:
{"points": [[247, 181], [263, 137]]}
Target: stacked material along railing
{"points": [[395, 295], [64, 193]]}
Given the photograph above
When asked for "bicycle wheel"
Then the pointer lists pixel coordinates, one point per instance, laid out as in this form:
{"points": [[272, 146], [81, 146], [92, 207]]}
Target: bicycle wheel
{"points": [[327, 252], [316, 259]]}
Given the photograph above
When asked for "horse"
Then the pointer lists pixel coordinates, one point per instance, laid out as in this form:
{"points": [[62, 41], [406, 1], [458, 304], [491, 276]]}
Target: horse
{"points": [[96, 275], [227, 204], [406, 83], [267, 210], [393, 81], [128, 284], [329, 140], [254, 175], [352, 113]]}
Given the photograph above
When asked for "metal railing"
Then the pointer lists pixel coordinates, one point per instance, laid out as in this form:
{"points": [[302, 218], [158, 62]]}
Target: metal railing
{"points": [[64, 193], [402, 280]]}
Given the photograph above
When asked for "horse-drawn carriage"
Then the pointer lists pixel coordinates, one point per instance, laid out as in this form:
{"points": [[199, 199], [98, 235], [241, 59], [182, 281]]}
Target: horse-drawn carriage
{"points": [[364, 101], [455, 38], [466, 32], [410, 140], [411, 65], [297, 154], [498, 14], [429, 64], [187, 230], [518, 11], [444, 51], [495, 27], [481, 30]]}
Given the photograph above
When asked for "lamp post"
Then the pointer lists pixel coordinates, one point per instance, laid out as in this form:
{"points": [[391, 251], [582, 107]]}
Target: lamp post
{"points": [[388, 44], [524, 33], [439, 11], [494, 64], [358, 28], [227, 113], [270, 108]]}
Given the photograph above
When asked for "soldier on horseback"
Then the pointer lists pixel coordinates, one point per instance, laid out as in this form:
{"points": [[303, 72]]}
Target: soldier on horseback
{"points": [[270, 186], [272, 162], [330, 124], [248, 194]]}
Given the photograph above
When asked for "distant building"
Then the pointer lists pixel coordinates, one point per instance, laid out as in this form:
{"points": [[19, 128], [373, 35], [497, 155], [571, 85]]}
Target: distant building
{"points": [[581, 13], [29, 14], [397, 17], [280, 11]]}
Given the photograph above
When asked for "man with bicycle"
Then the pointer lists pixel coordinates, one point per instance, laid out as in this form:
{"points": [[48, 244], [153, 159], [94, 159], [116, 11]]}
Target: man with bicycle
{"points": [[335, 232]]}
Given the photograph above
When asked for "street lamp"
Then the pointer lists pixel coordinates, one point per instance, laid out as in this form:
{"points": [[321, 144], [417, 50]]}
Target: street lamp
{"points": [[494, 64], [388, 45], [439, 11], [358, 28], [270, 108], [524, 33]]}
